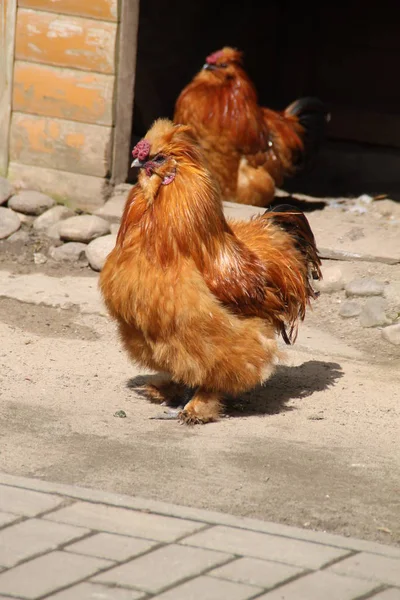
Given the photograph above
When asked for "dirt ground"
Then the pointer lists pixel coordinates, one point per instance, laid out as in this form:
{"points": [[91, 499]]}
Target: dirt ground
{"points": [[317, 446]]}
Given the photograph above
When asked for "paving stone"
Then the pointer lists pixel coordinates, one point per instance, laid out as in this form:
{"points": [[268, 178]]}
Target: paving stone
{"points": [[122, 520], [83, 228], [31, 202], [7, 518], [51, 216], [389, 594], [322, 584], [261, 545], [209, 588], [371, 567], [365, 287], [49, 573], [163, 567], [263, 573], [26, 502], [111, 546], [92, 591], [34, 536], [9, 222], [115, 228], [98, 250]]}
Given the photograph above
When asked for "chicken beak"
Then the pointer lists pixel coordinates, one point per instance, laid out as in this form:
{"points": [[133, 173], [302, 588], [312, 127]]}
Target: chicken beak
{"points": [[207, 66], [138, 163]]}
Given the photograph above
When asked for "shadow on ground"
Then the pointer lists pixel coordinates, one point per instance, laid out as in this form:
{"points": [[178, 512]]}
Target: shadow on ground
{"points": [[288, 383]]}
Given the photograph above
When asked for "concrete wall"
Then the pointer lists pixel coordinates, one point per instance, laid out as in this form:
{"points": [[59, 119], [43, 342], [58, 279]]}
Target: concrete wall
{"points": [[64, 82]]}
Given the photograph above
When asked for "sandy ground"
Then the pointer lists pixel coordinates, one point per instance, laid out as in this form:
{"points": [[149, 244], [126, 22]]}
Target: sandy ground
{"points": [[318, 446]]}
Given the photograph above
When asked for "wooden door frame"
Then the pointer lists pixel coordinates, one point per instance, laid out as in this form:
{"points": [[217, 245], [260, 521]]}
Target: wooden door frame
{"points": [[124, 89], [8, 12]]}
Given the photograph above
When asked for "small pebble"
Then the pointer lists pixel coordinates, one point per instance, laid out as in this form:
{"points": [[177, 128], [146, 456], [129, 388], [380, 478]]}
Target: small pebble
{"points": [[365, 287], [332, 280], [392, 334], [120, 413], [39, 258], [349, 309]]}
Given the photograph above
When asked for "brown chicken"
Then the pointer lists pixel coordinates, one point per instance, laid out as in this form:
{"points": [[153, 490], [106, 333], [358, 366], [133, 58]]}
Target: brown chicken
{"points": [[250, 149], [197, 297]]}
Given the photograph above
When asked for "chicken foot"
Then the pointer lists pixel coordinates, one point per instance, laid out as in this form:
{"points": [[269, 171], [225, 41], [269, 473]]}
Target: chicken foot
{"points": [[204, 407], [167, 393]]}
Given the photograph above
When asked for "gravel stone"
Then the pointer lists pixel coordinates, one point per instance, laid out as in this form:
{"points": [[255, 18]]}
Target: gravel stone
{"points": [[53, 232], [19, 236], [112, 210], [83, 228], [30, 202], [332, 280], [6, 190], [365, 287], [392, 334], [39, 258], [9, 222], [114, 228], [26, 219], [69, 252], [51, 216], [349, 309], [98, 250], [373, 314]]}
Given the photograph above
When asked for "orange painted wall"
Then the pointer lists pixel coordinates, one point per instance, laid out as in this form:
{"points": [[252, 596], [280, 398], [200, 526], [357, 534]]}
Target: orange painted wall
{"points": [[64, 85]]}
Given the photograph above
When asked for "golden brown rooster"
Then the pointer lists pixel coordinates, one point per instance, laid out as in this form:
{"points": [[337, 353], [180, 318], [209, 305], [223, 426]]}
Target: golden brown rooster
{"points": [[196, 296], [250, 149]]}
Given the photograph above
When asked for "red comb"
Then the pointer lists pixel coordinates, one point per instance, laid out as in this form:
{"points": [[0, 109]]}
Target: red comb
{"points": [[141, 150], [214, 57]]}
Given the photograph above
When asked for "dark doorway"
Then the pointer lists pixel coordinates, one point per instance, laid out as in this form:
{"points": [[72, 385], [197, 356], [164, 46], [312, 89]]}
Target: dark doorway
{"points": [[348, 56]]}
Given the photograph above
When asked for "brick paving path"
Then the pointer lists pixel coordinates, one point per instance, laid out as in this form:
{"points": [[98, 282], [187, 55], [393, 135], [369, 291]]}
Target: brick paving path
{"points": [[67, 543]]}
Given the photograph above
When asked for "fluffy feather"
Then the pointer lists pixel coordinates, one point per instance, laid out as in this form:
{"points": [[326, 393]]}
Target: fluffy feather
{"points": [[196, 296], [250, 148]]}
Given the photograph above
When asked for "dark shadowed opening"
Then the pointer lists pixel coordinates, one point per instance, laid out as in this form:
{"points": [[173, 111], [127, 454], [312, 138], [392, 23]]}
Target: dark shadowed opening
{"points": [[349, 56]]}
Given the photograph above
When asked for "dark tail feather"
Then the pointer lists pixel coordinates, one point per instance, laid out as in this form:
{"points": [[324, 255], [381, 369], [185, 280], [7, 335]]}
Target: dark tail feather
{"points": [[313, 116], [295, 223]]}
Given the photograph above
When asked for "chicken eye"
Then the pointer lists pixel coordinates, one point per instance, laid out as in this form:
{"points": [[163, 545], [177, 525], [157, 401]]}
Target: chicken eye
{"points": [[222, 65], [159, 159]]}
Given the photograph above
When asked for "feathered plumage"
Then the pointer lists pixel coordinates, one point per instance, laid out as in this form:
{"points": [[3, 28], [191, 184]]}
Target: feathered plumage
{"points": [[250, 148], [195, 295]]}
